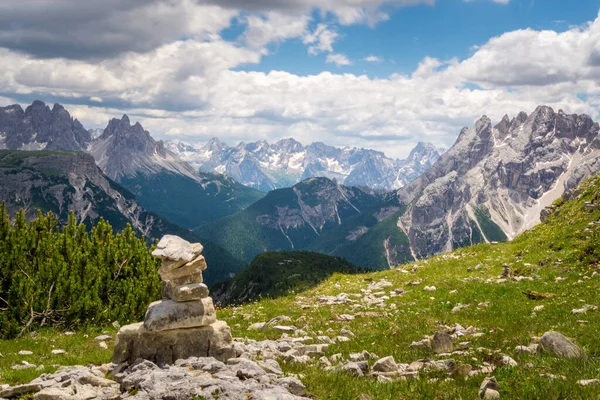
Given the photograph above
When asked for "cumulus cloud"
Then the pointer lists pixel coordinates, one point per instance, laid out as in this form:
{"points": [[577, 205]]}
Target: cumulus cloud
{"points": [[192, 88], [274, 27], [97, 29]]}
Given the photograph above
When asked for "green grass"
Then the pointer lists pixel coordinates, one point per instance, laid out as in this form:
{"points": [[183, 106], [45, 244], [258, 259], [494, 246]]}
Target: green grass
{"points": [[566, 246], [81, 349]]}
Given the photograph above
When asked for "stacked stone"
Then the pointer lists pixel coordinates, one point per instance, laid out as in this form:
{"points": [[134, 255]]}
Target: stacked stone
{"points": [[182, 325]]}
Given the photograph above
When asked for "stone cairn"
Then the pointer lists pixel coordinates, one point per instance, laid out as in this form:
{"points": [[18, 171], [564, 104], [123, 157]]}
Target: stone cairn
{"points": [[182, 325]]}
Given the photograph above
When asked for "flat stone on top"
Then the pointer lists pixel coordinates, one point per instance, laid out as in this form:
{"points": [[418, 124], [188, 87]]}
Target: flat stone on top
{"points": [[174, 248]]}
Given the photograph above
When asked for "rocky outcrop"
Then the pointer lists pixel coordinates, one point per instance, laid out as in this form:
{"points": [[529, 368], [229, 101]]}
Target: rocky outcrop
{"points": [[191, 378], [182, 325], [495, 181]]}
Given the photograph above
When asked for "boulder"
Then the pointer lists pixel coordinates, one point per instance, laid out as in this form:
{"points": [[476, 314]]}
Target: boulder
{"points": [[20, 390], [183, 293], [556, 343], [165, 347], [168, 314]]}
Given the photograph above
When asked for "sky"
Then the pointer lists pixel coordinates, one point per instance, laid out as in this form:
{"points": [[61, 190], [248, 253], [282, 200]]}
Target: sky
{"points": [[380, 74]]}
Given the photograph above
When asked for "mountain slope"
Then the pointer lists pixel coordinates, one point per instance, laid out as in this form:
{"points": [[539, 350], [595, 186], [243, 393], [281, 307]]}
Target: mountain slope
{"points": [[266, 166], [161, 181], [289, 219], [61, 181], [495, 180]]}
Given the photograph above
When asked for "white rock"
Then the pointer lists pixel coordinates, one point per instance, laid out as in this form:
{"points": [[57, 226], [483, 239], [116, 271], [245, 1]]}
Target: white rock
{"points": [[58, 351], [102, 338], [25, 353], [429, 288], [385, 364], [174, 248], [103, 345]]}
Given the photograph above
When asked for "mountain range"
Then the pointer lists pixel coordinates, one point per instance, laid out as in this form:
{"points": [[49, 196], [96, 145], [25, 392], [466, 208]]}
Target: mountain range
{"points": [[129, 155], [266, 166], [489, 186]]}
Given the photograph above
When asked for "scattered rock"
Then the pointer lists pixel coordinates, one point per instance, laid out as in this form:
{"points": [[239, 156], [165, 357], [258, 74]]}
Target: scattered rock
{"points": [[25, 353], [103, 345], [386, 364], [58, 351], [589, 382], [424, 344], [103, 338], [489, 383], [430, 288], [442, 343], [558, 344]]}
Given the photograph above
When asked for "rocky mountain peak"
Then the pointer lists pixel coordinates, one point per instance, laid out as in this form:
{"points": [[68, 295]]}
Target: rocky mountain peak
{"points": [[126, 150], [39, 127], [493, 182]]}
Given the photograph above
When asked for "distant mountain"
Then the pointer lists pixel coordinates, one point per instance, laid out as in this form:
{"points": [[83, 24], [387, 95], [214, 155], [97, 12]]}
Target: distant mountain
{"points": [[63, 181], [289, 219], [39, 128], [284, 163], [128, 154], [495, 180]]}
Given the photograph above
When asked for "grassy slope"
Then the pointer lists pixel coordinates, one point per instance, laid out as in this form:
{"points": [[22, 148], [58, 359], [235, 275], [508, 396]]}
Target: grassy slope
{"points": [[567, 246]]}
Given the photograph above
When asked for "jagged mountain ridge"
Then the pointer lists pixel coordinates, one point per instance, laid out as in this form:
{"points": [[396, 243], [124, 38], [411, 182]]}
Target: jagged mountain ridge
{"points": [[38, 127], [284, 163], [125, 150], [495, 180]]}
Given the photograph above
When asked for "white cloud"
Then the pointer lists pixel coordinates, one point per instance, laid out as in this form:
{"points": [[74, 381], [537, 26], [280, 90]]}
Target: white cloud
{"points": [[373, 59], [274, 27], [321, 39], [188, 88], [338, 59]]}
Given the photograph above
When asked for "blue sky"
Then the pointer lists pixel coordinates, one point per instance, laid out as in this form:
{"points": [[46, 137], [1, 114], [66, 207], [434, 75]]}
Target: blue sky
{"points": [[445, 30], [246, 70]]}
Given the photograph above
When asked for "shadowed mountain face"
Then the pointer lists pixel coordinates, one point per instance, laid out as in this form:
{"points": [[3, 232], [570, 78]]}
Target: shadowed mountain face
{"points": [[495, 180], [266, 166]]}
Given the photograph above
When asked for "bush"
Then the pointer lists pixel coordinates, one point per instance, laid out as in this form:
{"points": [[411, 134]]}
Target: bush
{"points": [[68, 276]]}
